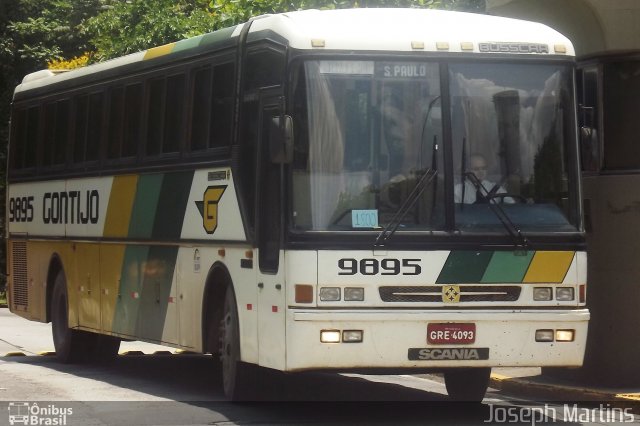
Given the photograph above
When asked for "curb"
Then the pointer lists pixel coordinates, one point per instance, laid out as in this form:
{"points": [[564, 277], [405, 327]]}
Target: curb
{"points": [[531, 387]]}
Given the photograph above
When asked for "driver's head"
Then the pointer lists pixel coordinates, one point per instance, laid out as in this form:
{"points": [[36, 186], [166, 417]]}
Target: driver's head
{"points": [[478, 166]]}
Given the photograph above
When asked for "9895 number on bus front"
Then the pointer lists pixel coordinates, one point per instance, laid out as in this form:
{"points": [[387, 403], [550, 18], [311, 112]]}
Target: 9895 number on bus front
{"points": [[371, 266]]}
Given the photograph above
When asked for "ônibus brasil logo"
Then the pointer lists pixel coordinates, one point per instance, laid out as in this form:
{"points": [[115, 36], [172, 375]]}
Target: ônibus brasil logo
{"points": [[32, 413]]}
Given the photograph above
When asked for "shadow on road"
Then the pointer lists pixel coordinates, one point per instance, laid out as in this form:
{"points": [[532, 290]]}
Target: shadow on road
{"points": [[309, 398]]}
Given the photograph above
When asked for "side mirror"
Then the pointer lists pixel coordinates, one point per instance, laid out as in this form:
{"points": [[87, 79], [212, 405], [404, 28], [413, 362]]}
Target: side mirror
{"points": [[281, 139]]}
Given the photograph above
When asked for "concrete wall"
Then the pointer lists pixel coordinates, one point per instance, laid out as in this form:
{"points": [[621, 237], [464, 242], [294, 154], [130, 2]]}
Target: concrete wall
{"points": [[592, 25]]}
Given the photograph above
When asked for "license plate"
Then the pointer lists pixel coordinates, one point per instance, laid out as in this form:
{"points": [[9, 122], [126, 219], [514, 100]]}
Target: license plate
{"points": [[451, 333]]}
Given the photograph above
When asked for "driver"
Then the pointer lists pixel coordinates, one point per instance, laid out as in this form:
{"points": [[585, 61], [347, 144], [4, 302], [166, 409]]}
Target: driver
{"points": [[472, 194]]}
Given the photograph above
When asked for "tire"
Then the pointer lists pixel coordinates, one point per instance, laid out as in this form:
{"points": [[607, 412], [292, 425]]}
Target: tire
{"points": [[467, 384], [70, 344], [237, 380]]}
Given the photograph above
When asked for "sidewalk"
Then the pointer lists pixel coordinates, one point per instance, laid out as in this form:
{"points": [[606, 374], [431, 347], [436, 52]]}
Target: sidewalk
{"points": [[531, 383]]}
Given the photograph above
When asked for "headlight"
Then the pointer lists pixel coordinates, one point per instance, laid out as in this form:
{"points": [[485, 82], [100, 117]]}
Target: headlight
{"points": [[541, 294], [354, 294], [565, 294], [330, 294]]}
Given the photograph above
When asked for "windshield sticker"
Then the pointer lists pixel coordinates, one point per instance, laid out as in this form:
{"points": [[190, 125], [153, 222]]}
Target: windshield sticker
{"points": [[364, 218]]}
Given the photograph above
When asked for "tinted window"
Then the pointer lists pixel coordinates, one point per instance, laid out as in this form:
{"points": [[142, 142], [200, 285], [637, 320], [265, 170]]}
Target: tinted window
{"points": [[49, 133], [116, 118], [18, 137], [155, 115], [133, 119], [94, 128], [201, 108], [222, 109], [173, 114]]}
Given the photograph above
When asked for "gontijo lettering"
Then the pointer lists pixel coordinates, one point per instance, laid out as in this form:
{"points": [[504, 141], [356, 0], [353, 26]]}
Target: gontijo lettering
{"points": [[74, 207]]}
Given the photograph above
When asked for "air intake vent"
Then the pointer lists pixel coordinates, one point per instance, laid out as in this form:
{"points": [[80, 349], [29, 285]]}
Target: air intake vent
{"points": [[19, 271], [470, 293]]}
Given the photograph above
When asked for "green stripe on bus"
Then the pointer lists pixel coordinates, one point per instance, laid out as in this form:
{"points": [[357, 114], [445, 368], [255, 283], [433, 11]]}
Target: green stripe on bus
{"points": [[187, 44], [134, 268], [172, 204], [217, 36], [507, 267], [464, 267], [156, 285], [145, 206]]}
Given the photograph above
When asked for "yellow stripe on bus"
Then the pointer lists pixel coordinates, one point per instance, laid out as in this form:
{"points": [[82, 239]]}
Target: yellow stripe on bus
{"points": [[549, 267], [158, 51], [123, 192], [111, 258]]}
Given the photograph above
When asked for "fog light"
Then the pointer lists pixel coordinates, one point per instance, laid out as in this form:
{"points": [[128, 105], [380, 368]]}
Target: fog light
{"points": [[354, 294], [542, 294], [352, 336], [330, 294], [330, 336], [544, 335], [565, 294], [565, 335]]}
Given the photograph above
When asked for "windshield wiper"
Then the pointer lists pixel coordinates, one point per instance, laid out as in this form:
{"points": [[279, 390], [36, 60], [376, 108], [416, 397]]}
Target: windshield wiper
{"points": [[411, 199], [519, 238]]}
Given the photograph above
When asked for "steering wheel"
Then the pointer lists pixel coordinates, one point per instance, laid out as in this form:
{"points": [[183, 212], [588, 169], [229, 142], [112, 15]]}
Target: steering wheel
{"points": [[501, 196]]}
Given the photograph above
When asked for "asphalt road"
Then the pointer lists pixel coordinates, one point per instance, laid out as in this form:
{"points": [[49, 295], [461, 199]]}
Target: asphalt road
{"points": [[185, 389]]}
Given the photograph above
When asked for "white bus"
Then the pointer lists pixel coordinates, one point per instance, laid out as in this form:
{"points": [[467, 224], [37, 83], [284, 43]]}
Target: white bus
{"points": [[371, 190]]}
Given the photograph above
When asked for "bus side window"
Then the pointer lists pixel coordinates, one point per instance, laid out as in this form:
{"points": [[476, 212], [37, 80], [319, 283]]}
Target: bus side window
{"points": [[155, 109], [165, 112], [116, 118], [222, 108], [94, 126], [173, 115], [263, 68], [24, 138], [200, 108], [18, 137], [132, 119], [56, 131], [80, 135]]}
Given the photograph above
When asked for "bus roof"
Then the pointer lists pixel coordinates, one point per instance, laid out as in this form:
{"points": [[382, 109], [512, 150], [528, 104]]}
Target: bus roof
{"points": [[376, 29]]}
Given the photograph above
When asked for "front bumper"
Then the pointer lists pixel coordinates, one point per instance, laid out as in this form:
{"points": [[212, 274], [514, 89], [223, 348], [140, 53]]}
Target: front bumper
{"points": [[388, 335]]}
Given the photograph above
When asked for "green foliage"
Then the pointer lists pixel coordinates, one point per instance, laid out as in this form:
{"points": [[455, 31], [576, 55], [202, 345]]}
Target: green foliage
{"points": [[131, 26]]}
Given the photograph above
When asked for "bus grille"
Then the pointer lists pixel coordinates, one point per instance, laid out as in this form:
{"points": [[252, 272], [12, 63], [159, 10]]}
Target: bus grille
{"points": [[19, 271], [468, 293]]}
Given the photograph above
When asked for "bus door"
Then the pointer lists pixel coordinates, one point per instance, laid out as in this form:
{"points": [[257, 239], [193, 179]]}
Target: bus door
{"points": [[271, 286]]}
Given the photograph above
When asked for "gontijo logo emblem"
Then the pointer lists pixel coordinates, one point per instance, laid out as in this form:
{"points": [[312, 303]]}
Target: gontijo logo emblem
{"points": [[208, 207], [451, 293]]}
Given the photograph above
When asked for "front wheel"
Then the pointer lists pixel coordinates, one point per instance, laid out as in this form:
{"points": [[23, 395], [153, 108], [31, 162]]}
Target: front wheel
{"points": [[467, 384], [237, 380]]}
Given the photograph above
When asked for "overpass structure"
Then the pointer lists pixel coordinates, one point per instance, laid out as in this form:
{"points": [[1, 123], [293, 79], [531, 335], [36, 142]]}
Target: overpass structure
{"points": [[594, 26]]}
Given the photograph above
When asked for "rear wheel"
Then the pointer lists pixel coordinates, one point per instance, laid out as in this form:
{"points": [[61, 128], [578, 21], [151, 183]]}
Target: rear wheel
{"points": [[236, 378], [467, 384], [69, 344]]}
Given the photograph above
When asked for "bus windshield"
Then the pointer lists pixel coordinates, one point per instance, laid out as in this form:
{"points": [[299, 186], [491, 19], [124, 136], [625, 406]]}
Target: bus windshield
{"points": [[368, 131]]}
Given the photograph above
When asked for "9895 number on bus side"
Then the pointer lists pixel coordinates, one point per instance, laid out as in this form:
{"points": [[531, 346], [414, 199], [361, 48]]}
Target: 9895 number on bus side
{"points": [[371, 266]]}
